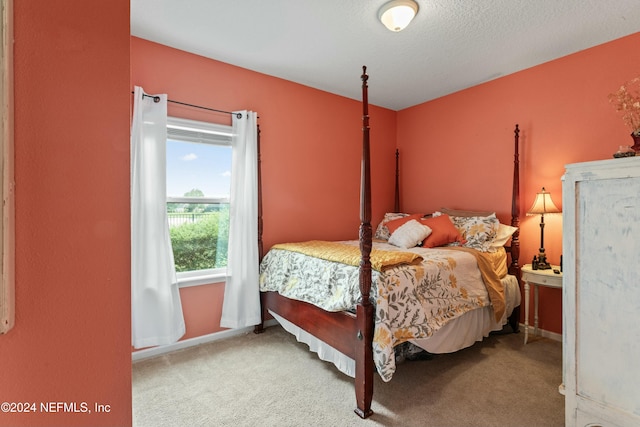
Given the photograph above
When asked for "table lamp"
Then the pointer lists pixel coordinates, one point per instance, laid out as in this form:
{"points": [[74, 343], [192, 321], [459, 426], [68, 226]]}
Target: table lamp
{"points": [[543, 205]]}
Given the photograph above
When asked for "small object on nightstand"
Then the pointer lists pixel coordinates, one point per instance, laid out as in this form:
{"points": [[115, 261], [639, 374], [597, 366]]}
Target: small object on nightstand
{"points": [[555, 270], [534, 263]]}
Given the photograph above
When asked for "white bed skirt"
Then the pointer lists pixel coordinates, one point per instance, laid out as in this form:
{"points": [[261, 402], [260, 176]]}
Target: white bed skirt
{"points": [[457, 334]]}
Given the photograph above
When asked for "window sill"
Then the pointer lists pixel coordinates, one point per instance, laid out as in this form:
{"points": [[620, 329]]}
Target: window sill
{"points": [[205, 279]]}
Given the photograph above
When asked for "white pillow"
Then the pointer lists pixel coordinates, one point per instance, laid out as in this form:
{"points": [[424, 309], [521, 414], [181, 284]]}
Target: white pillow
{"points": [[409, 234], [503, 235]]}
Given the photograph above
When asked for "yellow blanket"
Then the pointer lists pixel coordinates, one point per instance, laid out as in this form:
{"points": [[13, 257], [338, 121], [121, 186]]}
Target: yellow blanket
{"points": [[493, 267], [350, 254]]}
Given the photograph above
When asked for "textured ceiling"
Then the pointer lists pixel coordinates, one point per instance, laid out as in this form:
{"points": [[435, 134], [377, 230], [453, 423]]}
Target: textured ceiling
{"points": [[449, 46]]}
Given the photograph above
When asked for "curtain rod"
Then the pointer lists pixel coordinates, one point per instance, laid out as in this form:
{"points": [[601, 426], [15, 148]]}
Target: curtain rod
{"points": [[157, 99]]}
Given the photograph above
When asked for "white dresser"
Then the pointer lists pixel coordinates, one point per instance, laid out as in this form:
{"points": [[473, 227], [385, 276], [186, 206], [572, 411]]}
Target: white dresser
{"points": [[601, 292]]}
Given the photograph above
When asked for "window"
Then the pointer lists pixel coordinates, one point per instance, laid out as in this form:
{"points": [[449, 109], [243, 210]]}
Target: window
{"points": [[198, 187]]}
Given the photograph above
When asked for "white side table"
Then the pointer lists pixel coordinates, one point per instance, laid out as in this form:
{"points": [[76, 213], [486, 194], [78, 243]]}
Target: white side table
{"points": [[537, 278]]}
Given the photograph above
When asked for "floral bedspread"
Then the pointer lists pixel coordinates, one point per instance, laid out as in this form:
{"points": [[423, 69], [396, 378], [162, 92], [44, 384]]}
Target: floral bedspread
{"points": [[410, 301]]}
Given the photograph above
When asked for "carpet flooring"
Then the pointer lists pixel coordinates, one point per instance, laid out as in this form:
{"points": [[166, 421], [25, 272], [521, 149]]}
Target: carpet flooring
{"points": [[272, 380]]}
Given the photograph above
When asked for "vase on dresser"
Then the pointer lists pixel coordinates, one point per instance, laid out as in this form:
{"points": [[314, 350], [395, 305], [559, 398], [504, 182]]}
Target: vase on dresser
{"points": [[635, 135]]}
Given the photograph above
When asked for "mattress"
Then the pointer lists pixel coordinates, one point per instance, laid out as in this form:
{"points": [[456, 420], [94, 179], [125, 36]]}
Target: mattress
{"points": [[412, 302], [459, 333]]}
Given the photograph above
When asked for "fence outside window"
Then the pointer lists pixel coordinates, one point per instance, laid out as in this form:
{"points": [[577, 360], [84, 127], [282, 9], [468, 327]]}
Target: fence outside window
{"points": [[178, 218]]}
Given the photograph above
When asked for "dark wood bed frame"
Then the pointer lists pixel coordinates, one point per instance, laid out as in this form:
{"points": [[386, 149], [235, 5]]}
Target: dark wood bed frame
{"points": [[352, 334]]}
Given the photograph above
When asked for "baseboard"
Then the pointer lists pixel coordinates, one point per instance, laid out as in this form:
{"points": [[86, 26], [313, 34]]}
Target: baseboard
{"points": [[191, 342], [543, 333]]}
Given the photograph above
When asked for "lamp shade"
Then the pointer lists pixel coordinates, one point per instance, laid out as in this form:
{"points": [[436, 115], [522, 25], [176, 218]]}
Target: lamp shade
{"points": [[397, 14], [543, 204]]}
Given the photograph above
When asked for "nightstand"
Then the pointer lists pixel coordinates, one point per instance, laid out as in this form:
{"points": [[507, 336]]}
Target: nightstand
{"points": [[537, 278]]}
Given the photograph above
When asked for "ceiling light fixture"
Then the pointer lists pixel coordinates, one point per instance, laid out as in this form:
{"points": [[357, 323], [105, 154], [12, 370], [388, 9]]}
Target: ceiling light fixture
{"points": [[397, 14]]}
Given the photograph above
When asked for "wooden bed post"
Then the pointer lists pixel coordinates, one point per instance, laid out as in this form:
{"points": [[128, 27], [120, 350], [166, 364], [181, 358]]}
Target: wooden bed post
{"points": [[258, 329], [514, 267], [396, 200], [260, 244], [364, 308], [515, 201]]}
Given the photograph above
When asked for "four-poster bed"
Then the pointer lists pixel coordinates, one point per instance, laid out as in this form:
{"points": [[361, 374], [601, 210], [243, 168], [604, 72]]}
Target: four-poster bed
{"points": [[359, 334]]}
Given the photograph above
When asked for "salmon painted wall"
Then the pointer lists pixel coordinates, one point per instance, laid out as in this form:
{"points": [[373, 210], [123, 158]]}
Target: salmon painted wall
{"points": [[311, 145], [565, 117], [71, 341]]}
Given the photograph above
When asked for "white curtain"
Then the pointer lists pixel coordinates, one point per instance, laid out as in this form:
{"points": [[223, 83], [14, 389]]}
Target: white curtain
{"points": [[241, 306], [156, 311]]}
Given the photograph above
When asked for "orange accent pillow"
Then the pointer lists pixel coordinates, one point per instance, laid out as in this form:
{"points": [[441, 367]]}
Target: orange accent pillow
{"points": [[394, 224], [443, 232]]}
